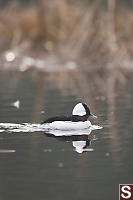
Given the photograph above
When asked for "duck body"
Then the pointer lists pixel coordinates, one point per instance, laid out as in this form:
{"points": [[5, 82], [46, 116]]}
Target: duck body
{"points": [[77, 121], [68, 125]]}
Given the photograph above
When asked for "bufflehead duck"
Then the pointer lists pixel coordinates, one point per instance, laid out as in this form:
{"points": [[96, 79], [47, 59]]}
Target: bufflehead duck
{"points": [[77, 121]]}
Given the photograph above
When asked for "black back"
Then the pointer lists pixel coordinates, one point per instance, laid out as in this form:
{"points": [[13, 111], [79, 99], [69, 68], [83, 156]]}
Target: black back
{"points": [[57, 118], [73, 118]]}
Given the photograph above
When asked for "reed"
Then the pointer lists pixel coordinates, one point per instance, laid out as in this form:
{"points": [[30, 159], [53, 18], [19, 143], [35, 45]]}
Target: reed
{"points": [[93, 34]]}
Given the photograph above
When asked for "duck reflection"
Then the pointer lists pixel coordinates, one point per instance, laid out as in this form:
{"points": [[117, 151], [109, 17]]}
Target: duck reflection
{"points": [[81, 145], [80, 140]]}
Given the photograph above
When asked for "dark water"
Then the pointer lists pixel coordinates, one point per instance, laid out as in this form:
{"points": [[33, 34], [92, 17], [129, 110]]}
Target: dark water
{"points": [[35, 166]]}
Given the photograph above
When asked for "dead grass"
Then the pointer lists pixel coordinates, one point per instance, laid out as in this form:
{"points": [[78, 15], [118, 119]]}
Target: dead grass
{"points": [[71, 30]]}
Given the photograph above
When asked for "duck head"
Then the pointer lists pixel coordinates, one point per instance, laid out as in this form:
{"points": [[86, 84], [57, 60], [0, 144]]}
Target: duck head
{"points": [[82, 111]]}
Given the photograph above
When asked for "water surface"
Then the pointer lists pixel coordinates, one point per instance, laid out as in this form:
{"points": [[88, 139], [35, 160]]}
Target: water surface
{"points": [[36, 166]]}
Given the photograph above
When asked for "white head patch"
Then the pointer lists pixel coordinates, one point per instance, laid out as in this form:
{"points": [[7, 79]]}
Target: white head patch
{"points": [[79, 110]]}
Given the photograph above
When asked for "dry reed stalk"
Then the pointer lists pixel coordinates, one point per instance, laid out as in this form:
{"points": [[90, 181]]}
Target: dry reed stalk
{"points": [[70, 29]]}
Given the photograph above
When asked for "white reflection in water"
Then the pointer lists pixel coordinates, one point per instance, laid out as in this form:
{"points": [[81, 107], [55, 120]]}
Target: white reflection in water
{"points": [[79, 138], [7, 151], [47, 150], [81, 146], [16, 104]]}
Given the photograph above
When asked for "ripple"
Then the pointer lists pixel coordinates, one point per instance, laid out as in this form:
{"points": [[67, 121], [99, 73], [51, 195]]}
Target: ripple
{"points": [[28, 127], [7, 151]]}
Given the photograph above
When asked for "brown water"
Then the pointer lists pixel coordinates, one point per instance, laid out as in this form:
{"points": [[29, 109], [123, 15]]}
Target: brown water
{"points": [[34, 166]]}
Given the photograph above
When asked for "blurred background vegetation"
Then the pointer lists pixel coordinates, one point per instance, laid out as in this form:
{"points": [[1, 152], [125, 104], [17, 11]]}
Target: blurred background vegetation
{"points": [[91, 34]]}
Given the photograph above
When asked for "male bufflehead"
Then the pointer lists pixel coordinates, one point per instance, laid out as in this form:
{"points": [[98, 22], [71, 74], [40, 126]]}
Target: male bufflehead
{"points": [[77, 121]]}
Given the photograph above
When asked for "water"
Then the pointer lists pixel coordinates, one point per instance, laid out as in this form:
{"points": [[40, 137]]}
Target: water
{"points": [[34, 165]]}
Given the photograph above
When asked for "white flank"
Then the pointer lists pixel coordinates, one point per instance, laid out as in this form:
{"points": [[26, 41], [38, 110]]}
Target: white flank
{"points": [[68, 125]]}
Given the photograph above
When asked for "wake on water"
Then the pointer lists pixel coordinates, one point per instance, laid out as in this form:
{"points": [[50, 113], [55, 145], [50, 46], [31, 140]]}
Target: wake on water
{"points": [[28, 127]]}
